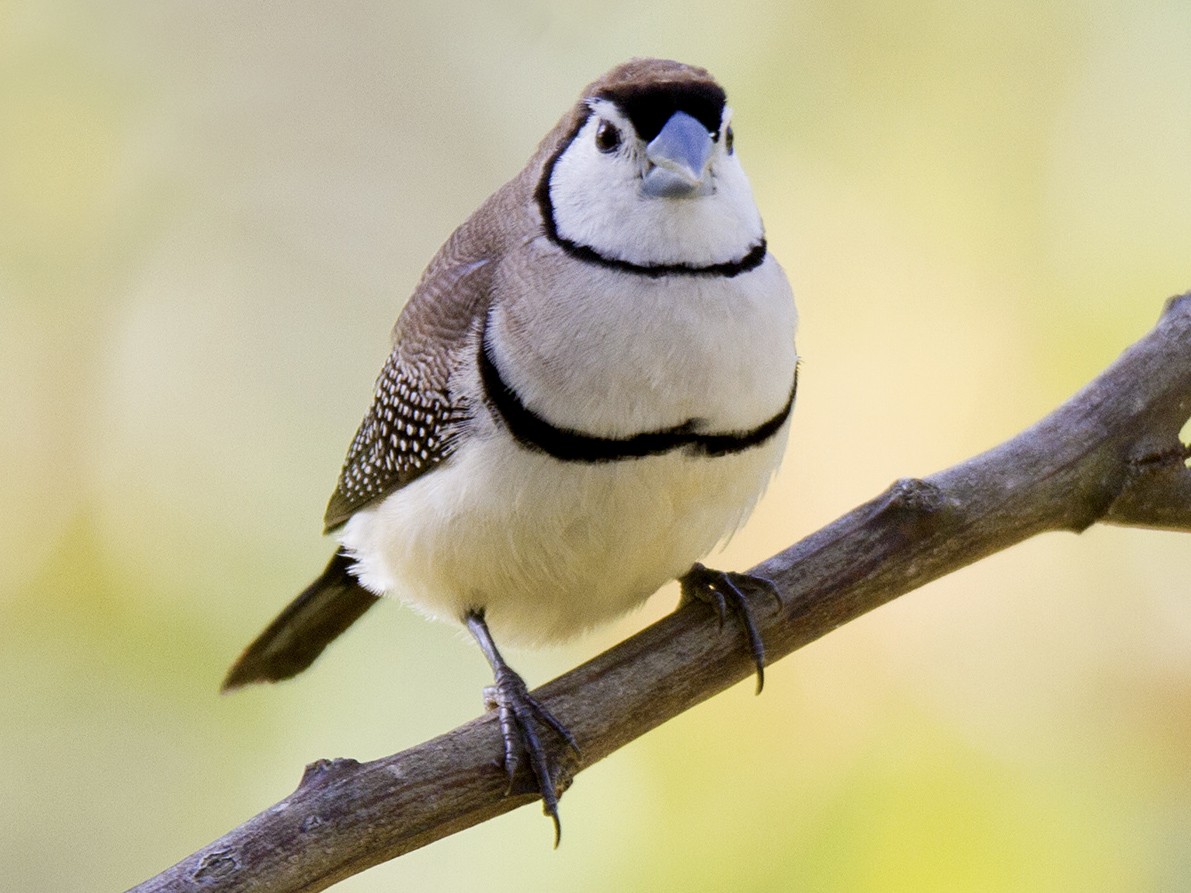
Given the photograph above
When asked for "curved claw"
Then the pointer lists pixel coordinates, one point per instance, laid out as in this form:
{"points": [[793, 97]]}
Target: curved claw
{"points": [[522, 718], [726, 592]]}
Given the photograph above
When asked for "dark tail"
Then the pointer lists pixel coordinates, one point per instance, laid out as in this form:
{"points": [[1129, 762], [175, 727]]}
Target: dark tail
{"points": [[299, 634]]}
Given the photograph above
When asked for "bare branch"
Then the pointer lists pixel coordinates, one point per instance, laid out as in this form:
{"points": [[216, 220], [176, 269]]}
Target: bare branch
{"points": [[1112, 454]]}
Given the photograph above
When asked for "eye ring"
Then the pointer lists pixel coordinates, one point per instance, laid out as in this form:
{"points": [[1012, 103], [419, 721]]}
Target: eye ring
{"points": [[729, 139], [607, 137]]}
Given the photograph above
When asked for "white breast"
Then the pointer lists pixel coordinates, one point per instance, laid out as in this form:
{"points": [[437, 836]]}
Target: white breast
{"points": [[612, 353]]}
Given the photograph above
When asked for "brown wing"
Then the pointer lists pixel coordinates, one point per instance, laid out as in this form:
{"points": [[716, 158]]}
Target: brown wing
{"points": [[415, 412]]}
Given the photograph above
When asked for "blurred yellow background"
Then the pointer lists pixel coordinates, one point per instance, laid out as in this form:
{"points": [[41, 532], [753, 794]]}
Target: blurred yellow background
{"points": [[210, 214]]}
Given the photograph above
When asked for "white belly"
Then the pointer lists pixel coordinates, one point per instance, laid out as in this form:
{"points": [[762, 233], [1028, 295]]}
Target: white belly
{"points": [[546, 548]]}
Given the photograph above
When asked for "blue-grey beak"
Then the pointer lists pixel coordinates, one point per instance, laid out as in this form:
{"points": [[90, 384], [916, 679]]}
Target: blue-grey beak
{"points": [[679, 155]]}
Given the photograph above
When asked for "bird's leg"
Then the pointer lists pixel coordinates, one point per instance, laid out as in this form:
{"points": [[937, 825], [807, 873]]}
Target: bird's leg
{"points": [[522, 718], [726, 591]]}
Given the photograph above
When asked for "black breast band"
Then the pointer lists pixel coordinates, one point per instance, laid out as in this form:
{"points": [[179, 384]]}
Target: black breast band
{"points": [[534, 432]]}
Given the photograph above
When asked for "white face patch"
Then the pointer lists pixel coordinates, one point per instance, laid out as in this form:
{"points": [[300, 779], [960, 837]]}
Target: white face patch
{"points": [[598, 201]]}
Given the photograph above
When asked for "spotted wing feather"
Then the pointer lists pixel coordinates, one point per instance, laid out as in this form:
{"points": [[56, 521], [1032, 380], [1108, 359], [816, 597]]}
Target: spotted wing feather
{"points": [[408, 430]]}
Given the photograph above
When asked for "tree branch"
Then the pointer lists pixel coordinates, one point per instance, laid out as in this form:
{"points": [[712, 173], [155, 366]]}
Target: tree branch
{"points": [[1112, 453]]}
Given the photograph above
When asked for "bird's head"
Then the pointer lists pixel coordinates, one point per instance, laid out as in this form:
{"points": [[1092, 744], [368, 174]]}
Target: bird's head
{"points": [[647, 173]]}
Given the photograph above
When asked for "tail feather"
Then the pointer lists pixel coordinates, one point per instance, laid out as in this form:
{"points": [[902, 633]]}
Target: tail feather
{"points": [[298, 635]]}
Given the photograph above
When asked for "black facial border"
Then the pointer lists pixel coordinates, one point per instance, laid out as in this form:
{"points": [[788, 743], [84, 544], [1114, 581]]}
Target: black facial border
{"points": [[749, 261]]}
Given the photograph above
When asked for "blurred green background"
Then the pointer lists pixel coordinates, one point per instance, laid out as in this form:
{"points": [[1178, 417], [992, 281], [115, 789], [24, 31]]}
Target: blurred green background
{"points": [[210, 214]]}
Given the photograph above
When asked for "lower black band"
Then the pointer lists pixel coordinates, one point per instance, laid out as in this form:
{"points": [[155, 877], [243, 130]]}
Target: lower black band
{"points": [[568, 445]]}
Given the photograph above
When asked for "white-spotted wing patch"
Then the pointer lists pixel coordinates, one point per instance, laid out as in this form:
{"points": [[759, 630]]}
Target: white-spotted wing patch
{"points": [[407, 431]]}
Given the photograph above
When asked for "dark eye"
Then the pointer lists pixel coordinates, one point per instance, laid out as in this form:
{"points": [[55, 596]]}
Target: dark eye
{"points": [[607, 137], [728, 140]]}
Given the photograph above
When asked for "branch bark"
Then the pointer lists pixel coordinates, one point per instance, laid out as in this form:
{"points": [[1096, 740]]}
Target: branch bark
{"points": [[1110, 454]]}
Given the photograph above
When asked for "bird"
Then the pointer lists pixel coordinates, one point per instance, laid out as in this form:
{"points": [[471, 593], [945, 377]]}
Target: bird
{"points": [[588, 390]]}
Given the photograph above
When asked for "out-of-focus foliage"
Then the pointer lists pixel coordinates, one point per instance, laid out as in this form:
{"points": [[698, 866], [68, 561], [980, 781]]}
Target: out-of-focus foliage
{"points": [[209, 216]]}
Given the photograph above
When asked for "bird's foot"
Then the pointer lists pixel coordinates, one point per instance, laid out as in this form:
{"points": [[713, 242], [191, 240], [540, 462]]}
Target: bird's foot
{"points": [[728, 593], [523, 720]]}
